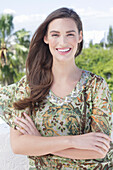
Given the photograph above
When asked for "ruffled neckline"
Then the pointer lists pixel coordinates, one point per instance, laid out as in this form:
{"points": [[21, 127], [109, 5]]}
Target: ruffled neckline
{"points": [[53, 98]]}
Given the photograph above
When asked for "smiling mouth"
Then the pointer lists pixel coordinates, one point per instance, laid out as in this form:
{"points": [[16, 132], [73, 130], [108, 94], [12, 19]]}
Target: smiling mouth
{"points": [[63, 50]]}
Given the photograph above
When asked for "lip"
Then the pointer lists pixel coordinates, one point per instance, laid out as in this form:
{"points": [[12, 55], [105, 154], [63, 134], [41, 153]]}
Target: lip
{"points": [[63, 51]]}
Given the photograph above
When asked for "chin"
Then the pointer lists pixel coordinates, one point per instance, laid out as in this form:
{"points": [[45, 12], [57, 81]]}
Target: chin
{"points": [[64, 59]]}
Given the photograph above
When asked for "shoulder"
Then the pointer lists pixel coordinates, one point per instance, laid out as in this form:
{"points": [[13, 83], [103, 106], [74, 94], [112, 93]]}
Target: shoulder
{"points": [[8, 90], [93, 79], [96, 84], [22, 81], [22, 88]]}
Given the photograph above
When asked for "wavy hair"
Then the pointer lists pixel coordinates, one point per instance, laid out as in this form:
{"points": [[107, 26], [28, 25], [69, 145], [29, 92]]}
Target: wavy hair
{"points": [[39, 60]]}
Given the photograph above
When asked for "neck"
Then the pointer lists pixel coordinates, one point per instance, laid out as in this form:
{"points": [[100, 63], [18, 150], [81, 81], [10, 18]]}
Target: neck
{"points": [[64, 72]]}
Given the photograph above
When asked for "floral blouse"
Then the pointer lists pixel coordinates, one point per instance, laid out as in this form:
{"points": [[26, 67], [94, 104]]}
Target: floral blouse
{"points": [[86, 109]]}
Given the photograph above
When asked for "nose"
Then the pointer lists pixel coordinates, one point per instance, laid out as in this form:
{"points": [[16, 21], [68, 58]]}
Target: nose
{"points": [[63, 40]]}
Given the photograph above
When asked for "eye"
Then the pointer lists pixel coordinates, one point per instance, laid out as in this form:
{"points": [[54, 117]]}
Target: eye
{"points": [[70, 35], [55, 35]]}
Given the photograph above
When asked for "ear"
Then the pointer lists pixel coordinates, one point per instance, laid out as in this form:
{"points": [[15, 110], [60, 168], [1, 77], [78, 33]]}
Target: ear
{"points": [[80, 36], [46, 39]]}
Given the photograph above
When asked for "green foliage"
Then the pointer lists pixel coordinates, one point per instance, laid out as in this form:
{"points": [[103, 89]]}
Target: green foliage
{"points": [[97, 45], [6, 26], [91, 43], [18, 76], [98, 61], [110, 37], [13, 51]]}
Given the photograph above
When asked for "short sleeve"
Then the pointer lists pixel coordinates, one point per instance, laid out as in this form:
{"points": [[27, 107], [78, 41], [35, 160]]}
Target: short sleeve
{"points": [[102, 108], [6, 99], [10, 94]]}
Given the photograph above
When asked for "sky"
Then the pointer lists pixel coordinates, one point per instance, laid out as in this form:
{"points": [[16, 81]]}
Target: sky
{"points": [[96, 15]]}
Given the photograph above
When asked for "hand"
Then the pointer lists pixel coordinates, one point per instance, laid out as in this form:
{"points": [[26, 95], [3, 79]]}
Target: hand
{"points": [[27, 126], [98, 142]]}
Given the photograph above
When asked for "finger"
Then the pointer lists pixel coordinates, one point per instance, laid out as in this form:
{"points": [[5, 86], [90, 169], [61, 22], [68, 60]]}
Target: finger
{"points": [[103, 135], [22, 125], [104, 141], [102, 145], [99, 150], [26, 122], [29, 119], [23, 120], [22, 131], [28, 127]]}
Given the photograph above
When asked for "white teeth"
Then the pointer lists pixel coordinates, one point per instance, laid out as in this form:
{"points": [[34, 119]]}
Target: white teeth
{"points": [[63, 50]]}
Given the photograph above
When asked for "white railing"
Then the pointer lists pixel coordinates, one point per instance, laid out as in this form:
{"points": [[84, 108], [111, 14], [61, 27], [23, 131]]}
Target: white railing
{"points": [[9, 160]]}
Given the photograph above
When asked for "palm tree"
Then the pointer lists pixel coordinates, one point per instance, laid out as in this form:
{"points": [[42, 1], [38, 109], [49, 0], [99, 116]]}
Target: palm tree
{"points": [[13, 50], [6, 27], [110, 37]]}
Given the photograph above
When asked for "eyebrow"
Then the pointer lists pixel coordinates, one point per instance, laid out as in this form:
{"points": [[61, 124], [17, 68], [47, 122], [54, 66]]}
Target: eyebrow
{"points": [[59, 32]]}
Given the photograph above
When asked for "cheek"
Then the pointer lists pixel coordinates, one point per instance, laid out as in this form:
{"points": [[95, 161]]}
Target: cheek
{"points": [[52, 45], [52, 42], [73, 42]]}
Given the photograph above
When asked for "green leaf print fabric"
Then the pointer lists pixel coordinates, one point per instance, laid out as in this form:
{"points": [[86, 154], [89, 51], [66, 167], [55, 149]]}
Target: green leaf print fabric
{"points": [[86, 109], [8, 95]]}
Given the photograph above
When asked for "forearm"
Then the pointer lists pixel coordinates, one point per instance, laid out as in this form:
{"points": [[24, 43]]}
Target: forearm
{"points": [[85, 146], [37, 146], [73, 153]]}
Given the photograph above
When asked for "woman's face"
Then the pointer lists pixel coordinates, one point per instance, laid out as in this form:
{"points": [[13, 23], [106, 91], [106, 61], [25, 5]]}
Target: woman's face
{"points": [[63, 38]]}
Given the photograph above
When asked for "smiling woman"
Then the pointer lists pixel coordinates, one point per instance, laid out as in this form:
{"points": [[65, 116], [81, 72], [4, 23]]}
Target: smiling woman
{"points": [[60, 115], [63, 39]]}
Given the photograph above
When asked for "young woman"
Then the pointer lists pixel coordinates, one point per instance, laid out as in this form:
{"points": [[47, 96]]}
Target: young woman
{"points": [[61, 117]]}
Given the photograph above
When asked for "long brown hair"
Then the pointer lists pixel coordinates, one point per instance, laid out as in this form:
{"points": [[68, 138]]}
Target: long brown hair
{"points": [[39, 60]]}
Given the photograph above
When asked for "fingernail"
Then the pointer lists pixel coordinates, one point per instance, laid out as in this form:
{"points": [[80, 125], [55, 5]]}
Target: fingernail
{"points": [[17, 128]]}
